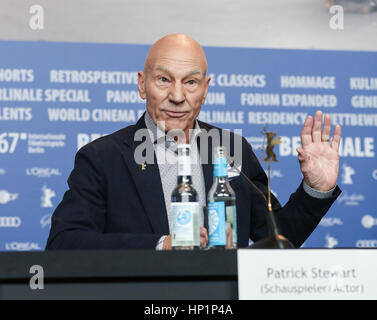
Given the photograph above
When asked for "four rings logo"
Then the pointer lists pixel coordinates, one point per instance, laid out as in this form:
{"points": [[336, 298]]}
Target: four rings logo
{"points": [[10, 222]]}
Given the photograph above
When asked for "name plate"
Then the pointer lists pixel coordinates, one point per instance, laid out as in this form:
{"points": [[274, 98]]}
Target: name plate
{"points": [[307, 274]]}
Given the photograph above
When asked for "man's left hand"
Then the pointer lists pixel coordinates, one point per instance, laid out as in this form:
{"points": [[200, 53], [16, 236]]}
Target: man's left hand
{"points": [[319, 157]]}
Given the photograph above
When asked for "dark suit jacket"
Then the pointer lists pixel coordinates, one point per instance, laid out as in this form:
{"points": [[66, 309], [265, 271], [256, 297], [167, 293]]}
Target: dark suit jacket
{"points": [[113, 204]]}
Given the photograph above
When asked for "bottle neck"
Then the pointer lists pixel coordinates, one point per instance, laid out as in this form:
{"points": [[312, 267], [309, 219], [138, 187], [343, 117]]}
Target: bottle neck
{"points": [[184, 179], [184, 166], [220, 168]]}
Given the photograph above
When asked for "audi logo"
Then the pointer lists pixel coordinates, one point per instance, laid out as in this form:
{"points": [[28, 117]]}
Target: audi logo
{"points": [[10, 222]]}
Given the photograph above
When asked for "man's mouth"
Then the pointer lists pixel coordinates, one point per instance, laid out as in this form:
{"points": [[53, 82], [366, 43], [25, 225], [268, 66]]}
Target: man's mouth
{"points": [[175, 114]]}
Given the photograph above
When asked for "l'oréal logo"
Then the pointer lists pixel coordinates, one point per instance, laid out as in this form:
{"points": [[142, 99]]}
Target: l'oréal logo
{"points": [[22, 246], [330, 222], [43, 172]]}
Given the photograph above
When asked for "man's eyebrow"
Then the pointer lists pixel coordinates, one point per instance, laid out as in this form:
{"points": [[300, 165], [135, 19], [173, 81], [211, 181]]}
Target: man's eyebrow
{"points": [[194, 72], [163, 69]]}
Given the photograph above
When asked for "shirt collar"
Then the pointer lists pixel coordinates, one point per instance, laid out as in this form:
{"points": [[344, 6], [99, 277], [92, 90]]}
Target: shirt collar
{"points": [[158, 136]]}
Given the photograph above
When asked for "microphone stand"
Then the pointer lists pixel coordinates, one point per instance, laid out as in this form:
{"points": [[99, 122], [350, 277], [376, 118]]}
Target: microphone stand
{"points": [[275, 239]]}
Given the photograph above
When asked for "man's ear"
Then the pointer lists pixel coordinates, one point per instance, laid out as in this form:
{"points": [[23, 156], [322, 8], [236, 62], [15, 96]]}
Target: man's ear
{"points": [[207, 81], [141, 84]]}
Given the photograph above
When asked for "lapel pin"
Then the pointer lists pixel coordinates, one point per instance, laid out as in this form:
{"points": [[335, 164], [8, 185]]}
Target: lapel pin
{"points": [[144, 166]]}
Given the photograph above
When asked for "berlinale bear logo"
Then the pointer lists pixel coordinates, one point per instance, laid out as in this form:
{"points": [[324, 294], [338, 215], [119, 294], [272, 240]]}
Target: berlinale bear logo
{"points": [[47, 195], [347, 173]]}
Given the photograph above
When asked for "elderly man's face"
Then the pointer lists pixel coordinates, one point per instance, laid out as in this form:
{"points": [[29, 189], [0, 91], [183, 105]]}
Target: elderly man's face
{"points": [[174, 84]]}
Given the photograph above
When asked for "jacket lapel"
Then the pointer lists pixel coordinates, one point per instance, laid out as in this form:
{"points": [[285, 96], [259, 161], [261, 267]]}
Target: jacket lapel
{"points": [[208, 176], [206, 159], [147, 180]]}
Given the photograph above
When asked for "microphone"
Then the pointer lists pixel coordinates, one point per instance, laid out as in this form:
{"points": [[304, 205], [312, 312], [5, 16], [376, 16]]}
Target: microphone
{"points": [[275, 240]]}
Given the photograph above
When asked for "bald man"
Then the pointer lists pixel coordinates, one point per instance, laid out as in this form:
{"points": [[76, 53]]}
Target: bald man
{"points": [[117, 201]]}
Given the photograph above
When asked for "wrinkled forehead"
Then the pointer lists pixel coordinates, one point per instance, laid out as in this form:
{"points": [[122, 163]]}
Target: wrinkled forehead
{"points": [[184, 58]]}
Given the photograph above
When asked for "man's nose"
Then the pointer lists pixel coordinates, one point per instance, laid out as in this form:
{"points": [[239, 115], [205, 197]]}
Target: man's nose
{"points": [[177, 94]]}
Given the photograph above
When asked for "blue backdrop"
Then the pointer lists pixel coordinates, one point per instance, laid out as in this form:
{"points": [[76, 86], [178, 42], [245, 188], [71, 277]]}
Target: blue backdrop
{"points": [[56, 97]]}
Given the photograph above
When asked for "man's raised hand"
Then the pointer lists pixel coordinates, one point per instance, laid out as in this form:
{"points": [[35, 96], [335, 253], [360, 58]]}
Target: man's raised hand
{"points": [[319, 155]]}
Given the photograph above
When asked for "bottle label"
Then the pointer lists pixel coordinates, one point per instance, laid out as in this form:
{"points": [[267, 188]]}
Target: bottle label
{"points": [[216, 223], [185, 223], [231, 222], [184, 166], [220, 167]]}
